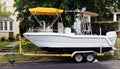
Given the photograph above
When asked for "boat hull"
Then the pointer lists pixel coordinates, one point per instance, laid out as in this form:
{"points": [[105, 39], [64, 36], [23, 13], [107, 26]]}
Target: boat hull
{"points": [[71, 50], [55, 42]]}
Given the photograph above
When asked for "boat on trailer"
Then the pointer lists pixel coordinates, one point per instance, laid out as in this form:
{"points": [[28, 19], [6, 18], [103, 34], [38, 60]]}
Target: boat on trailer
{"points": [[65, 40]]}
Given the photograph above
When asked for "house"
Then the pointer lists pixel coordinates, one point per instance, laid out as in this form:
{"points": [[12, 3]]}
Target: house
{"points": [[116, 17], [9, 27]]}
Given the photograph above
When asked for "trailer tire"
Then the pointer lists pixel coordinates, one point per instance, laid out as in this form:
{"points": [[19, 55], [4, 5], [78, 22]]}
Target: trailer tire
{"points": [[78, 58], [90, 57]]}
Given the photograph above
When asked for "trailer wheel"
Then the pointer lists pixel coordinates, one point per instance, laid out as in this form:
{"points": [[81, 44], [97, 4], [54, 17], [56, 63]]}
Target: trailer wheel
{"points": [[78, 58], [90, 57]]}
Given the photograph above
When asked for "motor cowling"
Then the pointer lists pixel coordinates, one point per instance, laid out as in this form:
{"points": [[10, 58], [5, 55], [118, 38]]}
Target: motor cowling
{"points": [[112, 36]]}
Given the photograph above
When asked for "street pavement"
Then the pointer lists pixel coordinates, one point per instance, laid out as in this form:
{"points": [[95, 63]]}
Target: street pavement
{"points": [[111, 64]]}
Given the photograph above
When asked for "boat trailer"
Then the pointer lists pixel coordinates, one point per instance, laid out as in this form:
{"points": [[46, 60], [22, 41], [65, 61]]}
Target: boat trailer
{"points": [[77, 56]]}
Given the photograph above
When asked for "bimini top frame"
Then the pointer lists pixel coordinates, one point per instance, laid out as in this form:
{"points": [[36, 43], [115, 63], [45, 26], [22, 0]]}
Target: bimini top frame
{"points": [[85, 26]]}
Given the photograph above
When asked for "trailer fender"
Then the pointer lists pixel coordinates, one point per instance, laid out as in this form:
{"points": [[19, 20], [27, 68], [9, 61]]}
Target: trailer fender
{"points": [[80, 52]]}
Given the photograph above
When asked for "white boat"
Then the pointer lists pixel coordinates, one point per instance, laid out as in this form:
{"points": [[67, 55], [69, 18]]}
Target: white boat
{"points": [[66, 41]]}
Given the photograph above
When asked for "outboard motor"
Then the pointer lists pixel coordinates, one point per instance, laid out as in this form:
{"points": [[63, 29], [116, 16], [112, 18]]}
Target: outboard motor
{"points": [[113, 38]]}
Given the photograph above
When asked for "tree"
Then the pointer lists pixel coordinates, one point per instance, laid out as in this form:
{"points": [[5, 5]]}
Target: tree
{"points": [[102, 7], [3, 13]]}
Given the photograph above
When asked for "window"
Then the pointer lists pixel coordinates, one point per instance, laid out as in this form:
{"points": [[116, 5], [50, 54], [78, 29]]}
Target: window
{"points": [[1, 26], [11, 26], [5, 25]]}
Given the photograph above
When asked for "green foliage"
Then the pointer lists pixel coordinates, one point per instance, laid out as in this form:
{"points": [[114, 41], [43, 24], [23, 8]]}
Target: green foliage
{"points": [[4, 13], [11, 38], [17, 37], [105, 27], [2, 39], [102, 7], [68, 21], [117, 52], [15, 49], [17, 58], [26, 48], [3, 44], [106, 56]]}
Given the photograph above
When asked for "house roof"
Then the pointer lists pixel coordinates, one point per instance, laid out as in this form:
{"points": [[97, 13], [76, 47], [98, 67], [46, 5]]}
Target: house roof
{"points": [[6, 19]]}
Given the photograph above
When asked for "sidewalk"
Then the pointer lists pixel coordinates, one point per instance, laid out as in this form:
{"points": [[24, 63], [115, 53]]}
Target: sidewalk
{"points": [[13, 44]]}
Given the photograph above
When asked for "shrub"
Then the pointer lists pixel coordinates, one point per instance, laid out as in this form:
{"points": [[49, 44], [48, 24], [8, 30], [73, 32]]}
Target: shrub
{"points": [[3, 44], [105, 27], [26, 48], [11, 38], [17, 37], [106, 56], [15, 49], [2, 39]]}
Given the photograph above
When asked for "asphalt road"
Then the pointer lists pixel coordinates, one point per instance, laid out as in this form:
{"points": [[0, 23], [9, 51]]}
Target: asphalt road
{"points": [[112, 64]]}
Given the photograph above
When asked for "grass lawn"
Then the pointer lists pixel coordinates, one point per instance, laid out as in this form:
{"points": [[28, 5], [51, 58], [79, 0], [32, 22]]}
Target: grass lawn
{"points": [[3, 44], [117, 52], [16, 58], [118, 43]]}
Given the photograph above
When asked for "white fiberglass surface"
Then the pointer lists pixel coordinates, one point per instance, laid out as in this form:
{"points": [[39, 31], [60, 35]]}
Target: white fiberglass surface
{"points": [[65, 40]]}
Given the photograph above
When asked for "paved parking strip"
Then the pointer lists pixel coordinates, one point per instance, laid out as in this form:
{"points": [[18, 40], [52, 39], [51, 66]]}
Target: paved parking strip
{"points": [[113, 64]]}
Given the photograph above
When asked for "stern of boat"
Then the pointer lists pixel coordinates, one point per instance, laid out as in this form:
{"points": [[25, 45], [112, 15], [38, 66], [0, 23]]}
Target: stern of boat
{"points": [[112, 36]]}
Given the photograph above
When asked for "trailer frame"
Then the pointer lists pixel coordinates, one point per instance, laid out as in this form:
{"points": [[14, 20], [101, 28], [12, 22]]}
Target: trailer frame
{"points": [[75, 55]]}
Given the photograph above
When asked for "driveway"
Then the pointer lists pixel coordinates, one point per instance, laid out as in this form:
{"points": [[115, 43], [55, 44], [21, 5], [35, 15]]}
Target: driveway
{"points": [[112, 64]]}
